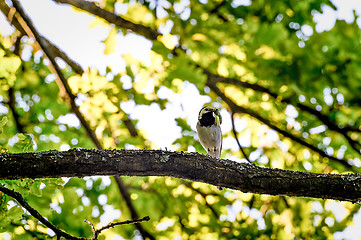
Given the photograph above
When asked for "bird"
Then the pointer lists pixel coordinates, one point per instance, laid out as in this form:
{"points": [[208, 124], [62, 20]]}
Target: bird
{"points": [[209, 130]]}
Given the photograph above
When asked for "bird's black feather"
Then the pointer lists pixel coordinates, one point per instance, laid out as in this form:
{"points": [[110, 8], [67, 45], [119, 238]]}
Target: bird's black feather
{"points": [[207, 119]]}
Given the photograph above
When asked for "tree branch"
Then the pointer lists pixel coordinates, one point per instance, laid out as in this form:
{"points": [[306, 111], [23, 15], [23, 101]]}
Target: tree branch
{"points": [[11, 104], [236, 137], [134, 215], [192, 166], [90, 7], [19, 198], [204, 196], [111, 225]]}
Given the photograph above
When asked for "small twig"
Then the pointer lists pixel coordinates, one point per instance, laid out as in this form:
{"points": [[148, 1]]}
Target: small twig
{"points": [[236, 137], [111, 225]]}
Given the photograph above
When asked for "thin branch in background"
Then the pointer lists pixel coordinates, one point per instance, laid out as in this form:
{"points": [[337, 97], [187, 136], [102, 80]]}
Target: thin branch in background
{"points": [[134, 215], [11, 104], [151, 34], [11, 92], [216, 8], [63, 85], [239, 109], [90, 7], [323, 118], [18, 23], [236, 137]]}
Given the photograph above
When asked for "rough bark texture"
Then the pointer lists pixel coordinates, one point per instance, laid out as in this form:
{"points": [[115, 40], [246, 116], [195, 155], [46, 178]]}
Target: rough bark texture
{"points": [[192, 166]]}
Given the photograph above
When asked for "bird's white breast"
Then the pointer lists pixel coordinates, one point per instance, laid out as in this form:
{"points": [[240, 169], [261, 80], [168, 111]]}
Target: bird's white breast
{"points": [[210, 137]]}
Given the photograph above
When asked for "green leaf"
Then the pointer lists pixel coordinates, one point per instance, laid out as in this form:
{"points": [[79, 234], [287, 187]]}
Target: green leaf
{"points": [[22, 136], [25, 142], [159, 47], [8, 216]]}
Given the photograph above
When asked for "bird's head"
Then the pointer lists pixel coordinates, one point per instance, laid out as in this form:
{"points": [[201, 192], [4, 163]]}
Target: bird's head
{"points": [[210, 115]]}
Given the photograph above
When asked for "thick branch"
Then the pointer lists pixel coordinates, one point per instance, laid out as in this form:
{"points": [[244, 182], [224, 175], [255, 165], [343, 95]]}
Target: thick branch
{"points": [[192, 166]]}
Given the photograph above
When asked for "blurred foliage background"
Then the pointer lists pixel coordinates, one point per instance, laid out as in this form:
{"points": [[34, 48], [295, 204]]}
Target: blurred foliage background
{"points": [[292, 90]]}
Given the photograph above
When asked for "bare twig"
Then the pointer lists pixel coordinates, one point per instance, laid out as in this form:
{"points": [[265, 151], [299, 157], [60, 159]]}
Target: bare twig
{"points": [[111, 225], [96, 232]]}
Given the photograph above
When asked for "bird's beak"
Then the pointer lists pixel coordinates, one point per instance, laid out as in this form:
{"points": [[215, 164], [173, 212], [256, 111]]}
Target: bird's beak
{"points": [[217, 116]]}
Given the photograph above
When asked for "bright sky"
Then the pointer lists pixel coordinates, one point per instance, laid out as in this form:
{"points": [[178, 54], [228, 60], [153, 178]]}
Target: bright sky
{"points": [[83, 44]]}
